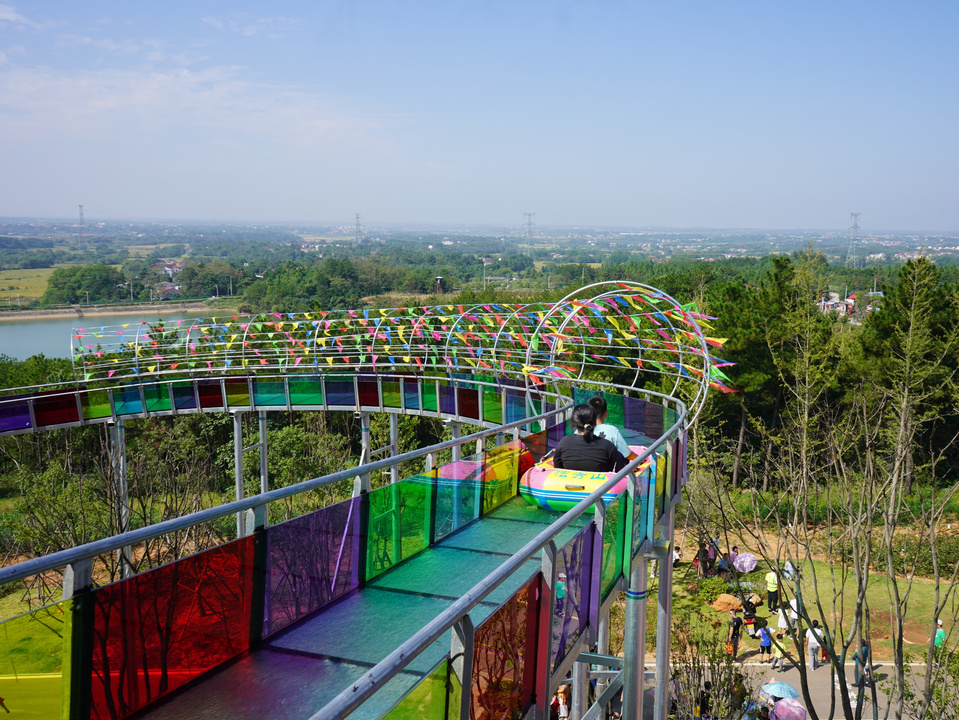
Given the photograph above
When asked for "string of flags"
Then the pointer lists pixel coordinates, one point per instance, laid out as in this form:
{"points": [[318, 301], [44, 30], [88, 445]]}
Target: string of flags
{"points": [[634, 328]]}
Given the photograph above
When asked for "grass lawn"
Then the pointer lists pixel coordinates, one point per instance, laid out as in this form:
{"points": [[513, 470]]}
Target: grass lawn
{"points": [[918, 621]]}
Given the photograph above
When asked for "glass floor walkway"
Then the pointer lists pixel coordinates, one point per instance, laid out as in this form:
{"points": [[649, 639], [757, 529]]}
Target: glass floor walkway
{"points": [[296, 672]]}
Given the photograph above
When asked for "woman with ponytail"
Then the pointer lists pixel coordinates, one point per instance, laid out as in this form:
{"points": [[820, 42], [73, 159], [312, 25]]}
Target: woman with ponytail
{"points": [[585, 451]]}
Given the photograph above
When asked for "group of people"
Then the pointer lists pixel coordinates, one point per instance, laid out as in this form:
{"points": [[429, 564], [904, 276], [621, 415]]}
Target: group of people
{"points": [[594, 446], [710, 561]]}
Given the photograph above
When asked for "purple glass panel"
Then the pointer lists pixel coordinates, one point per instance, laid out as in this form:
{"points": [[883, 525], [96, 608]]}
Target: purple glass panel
{"points": [[157, 631], [634, 415], [340, 393], [571, 609], [14, 414], [654, 420], [447, 399], [56, 408], [183, 396], [312, 560]]}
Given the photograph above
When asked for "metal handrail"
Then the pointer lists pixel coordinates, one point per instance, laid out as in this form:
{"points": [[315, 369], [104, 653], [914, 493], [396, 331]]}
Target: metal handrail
{"points": [[62, 558], [361, 689]]}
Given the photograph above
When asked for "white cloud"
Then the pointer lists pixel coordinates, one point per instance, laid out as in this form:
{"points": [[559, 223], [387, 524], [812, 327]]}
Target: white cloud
{"points": [[250, 25], [9, 14], [96, 106]]}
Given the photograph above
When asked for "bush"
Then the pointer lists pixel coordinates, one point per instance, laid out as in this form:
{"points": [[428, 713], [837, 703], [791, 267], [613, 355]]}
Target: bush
{"points": [[711, 588]]}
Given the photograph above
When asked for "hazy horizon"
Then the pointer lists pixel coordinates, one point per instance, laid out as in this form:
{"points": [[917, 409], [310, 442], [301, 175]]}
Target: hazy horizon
{"points": [[755, 116]]}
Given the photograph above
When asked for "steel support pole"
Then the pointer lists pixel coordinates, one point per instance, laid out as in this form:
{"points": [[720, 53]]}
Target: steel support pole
{"points": [[361, 484], [238, 470], [457, 431], [635, 642], [394, 446], [664, 619], [118, 459], [579, 701], [264, 464]]}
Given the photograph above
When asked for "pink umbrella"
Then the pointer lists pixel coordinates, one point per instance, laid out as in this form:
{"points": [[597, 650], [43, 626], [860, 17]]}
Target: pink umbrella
{"points": [[790, 709], [745, 562]]}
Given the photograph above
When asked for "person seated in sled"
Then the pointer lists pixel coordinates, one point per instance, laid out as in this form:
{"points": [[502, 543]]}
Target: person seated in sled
{"points": [[585, 451], [610, 432]]}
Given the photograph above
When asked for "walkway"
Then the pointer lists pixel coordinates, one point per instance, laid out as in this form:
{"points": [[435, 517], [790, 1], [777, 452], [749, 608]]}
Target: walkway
{"points": [[296, 672]]}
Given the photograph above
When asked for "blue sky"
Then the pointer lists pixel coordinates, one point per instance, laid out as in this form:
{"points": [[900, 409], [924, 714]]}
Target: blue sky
{"points": [[681, 113]]}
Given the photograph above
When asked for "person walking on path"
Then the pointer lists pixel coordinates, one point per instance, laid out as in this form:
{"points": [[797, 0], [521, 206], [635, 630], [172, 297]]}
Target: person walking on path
{"points": [[778, 662], [940, 634], [735, 630], [772, 590], [813, 643]]}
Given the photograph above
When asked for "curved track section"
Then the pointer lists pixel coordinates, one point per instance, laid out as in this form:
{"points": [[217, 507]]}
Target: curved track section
{"points": [[438, 596]]}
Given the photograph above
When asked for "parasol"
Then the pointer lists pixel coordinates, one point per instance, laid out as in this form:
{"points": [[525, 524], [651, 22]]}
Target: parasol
{"points": [[790, 709], [780, 690], [745, 562]]}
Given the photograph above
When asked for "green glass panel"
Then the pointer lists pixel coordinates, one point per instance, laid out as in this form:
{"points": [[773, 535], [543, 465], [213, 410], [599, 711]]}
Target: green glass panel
{"points": [[455, 693], [237, 394], [306, 392], [501, 475], [492, 403], [662, 483], [391, 394], [614, 404], [429, 396], [399, 523], [427, 701], [613, 543], [32, 662], [269, 392], [95, 404], [157, 397]]}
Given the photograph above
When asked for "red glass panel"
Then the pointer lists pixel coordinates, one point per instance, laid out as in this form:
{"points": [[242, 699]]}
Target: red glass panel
{"points": [[56, 408], [211, 395], [468, 403], [157, 631], [369, 393]]}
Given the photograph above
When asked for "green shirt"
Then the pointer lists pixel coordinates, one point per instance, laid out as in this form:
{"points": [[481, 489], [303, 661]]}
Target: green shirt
{"points": [[940, 637]]}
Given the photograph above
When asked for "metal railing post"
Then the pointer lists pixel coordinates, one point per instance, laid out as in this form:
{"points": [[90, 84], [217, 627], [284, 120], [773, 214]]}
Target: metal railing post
{"points": [[461, 665], [361, 484], [664, 620], [548, 606], [118, 460], [78, 626], [394, 446]]}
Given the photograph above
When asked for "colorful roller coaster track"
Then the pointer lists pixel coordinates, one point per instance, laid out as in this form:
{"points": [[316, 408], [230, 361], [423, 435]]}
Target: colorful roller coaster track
{"points": [[441, 595]]}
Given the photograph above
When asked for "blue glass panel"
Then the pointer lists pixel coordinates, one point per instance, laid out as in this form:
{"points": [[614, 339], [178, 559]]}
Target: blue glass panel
{"points": [[340, 393]]}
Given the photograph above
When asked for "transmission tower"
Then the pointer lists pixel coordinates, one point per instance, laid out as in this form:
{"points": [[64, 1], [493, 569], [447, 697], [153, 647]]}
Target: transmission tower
{"points": [[359, 229], [529, 232], [81, 216], [852, 254]]}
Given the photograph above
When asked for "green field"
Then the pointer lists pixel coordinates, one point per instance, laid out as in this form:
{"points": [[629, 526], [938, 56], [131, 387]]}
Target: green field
{"points": [[31, 284]]}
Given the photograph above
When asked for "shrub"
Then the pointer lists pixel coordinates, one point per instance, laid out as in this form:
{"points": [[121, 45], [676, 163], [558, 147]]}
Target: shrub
{"points": [[710, 588]]}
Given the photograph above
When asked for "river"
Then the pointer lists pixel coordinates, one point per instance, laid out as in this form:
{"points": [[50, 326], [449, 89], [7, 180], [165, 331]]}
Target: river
{"points": [[21, 338]]}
